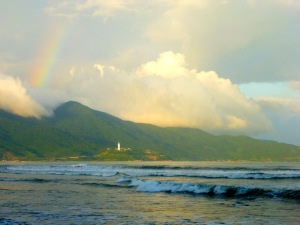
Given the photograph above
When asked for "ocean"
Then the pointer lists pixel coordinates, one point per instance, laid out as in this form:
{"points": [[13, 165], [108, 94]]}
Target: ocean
{"points": [[149, 193]]}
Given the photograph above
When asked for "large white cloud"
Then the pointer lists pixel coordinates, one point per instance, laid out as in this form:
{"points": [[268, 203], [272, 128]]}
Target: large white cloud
{"points": [[168, 65], [166, 92], [14, 99]]}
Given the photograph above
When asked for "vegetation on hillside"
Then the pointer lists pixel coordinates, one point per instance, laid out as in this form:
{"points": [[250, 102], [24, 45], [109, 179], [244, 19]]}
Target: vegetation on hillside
{"points": [[77, 132]]}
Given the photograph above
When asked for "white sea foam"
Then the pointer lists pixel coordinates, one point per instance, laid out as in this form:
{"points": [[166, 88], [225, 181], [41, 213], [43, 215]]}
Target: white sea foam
{"points": [[79, 165], [153, 186], [158, 186]]}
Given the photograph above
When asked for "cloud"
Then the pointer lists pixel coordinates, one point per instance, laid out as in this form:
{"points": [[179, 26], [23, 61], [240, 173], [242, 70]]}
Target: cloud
{"points": [[165, 92], [168, 65], [62, 9], [104, 8], [246, 41], [291, 106], [285, 115], [295, 85], [97, 8], [14, 99], [219, 34], [294, 4]]}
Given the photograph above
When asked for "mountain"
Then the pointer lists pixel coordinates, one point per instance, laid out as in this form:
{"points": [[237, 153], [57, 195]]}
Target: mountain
{"points": [[78, 132]]}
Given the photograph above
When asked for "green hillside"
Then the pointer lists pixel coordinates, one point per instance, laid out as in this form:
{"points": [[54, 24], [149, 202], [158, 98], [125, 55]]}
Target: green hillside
{"points": [[78, 132]]}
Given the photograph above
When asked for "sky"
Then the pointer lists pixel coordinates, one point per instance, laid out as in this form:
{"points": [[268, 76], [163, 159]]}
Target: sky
{"points": [[223, 66]]}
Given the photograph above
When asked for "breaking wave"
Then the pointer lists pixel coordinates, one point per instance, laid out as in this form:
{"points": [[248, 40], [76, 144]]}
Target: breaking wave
{"points": [[210, 189]]}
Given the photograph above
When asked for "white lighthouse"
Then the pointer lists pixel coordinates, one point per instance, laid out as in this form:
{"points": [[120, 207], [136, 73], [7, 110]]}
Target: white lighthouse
{"points": [[119, 146]]}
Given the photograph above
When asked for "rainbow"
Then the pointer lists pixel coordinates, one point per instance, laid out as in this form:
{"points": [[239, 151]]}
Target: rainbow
{"points": [[48, 54]]}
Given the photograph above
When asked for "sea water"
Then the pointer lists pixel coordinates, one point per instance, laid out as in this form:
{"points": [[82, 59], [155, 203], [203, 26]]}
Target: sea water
{"points": [[149, 193]]}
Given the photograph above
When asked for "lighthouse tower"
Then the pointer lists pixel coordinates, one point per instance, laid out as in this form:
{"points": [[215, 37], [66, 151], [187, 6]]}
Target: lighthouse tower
{"points": [[119, 146]]}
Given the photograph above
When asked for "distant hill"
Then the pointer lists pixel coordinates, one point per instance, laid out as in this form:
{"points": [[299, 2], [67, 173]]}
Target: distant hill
{"points": [[78, 132]]}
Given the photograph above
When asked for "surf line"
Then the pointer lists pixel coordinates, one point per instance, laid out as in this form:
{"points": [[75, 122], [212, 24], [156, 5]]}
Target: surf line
{"points": [[49, 52]]}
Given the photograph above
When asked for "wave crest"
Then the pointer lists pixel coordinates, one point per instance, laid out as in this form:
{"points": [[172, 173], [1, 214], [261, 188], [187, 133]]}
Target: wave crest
{"points": [[210, 189]]}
